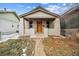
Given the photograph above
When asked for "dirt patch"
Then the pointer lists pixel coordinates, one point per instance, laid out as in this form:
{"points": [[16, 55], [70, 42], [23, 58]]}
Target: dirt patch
{"points": [[60, 47]]}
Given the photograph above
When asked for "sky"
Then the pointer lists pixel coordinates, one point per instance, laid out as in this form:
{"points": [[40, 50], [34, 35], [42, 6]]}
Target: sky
{"points": [[21, 8]]}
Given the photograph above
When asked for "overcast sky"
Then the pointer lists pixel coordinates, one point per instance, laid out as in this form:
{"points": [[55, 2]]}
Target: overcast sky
{"points": [[21, 8]]}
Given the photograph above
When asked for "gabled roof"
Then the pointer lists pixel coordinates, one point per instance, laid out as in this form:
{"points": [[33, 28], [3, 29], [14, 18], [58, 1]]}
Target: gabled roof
{"points": [[39, 8], [75, 8], [14, 13]]}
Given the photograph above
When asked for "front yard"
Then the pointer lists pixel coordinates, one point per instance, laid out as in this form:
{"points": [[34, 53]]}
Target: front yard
{"points": [[61, 47], [13, 47], [52, 47]]}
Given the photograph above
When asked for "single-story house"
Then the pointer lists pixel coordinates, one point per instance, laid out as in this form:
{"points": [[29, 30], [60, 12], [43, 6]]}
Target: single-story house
{"points": [[9, 22], [39, 22]]}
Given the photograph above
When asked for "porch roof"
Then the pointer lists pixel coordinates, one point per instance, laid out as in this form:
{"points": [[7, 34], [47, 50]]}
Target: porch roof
{"points": [[52, 19]]}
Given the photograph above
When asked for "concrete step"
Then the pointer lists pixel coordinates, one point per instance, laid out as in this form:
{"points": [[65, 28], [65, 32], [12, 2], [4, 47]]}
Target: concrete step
{"points": [[38, 36]]}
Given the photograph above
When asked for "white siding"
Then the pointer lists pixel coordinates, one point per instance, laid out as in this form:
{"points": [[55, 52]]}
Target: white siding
{"points": [[6, 26]]}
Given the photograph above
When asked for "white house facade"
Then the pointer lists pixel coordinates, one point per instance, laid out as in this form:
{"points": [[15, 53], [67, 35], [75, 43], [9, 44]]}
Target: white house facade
{"points": [[9, 22], [39, 21]]}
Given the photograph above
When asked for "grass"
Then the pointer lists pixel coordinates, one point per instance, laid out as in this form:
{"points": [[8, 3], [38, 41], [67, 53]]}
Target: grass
{"points": [[61, 47], [13, 47]]}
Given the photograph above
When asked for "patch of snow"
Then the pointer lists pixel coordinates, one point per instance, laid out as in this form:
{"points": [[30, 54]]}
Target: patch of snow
{"points": [[7, 37]]}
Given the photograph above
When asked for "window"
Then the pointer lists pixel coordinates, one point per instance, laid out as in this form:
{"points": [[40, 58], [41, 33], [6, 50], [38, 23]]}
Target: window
{"points": [[30, 24], [47, 24]]}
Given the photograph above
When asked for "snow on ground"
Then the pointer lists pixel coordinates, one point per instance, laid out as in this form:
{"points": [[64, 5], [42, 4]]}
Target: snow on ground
{"points": [[7, 37]]}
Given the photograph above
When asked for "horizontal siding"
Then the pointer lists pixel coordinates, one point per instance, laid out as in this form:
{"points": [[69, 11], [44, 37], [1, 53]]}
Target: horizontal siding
{"points": [[6, 26]]}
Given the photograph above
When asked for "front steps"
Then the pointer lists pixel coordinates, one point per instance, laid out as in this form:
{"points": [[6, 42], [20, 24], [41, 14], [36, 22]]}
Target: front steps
{"points": [[38, 36]]}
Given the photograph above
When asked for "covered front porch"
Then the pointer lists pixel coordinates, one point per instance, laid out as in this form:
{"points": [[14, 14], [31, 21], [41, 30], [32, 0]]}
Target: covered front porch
{"points": [[41, 27]]}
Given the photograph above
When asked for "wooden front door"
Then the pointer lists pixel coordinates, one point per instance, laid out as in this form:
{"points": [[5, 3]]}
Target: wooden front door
{"points": [[39, 26]]}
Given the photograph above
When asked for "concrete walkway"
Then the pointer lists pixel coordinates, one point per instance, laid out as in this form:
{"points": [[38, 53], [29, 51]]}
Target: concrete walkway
{"points": [[39, 48]]}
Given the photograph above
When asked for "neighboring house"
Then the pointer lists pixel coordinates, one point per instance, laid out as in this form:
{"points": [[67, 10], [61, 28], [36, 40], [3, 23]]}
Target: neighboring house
{"points": [[9, 22], [70, 21], [39, 21]]}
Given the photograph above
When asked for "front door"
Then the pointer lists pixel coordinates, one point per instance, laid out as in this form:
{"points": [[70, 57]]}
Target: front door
{"points": [[39, 26]]}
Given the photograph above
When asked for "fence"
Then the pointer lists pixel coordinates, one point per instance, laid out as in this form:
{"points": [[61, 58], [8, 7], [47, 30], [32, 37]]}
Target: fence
{"points": [[68, 32]]}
